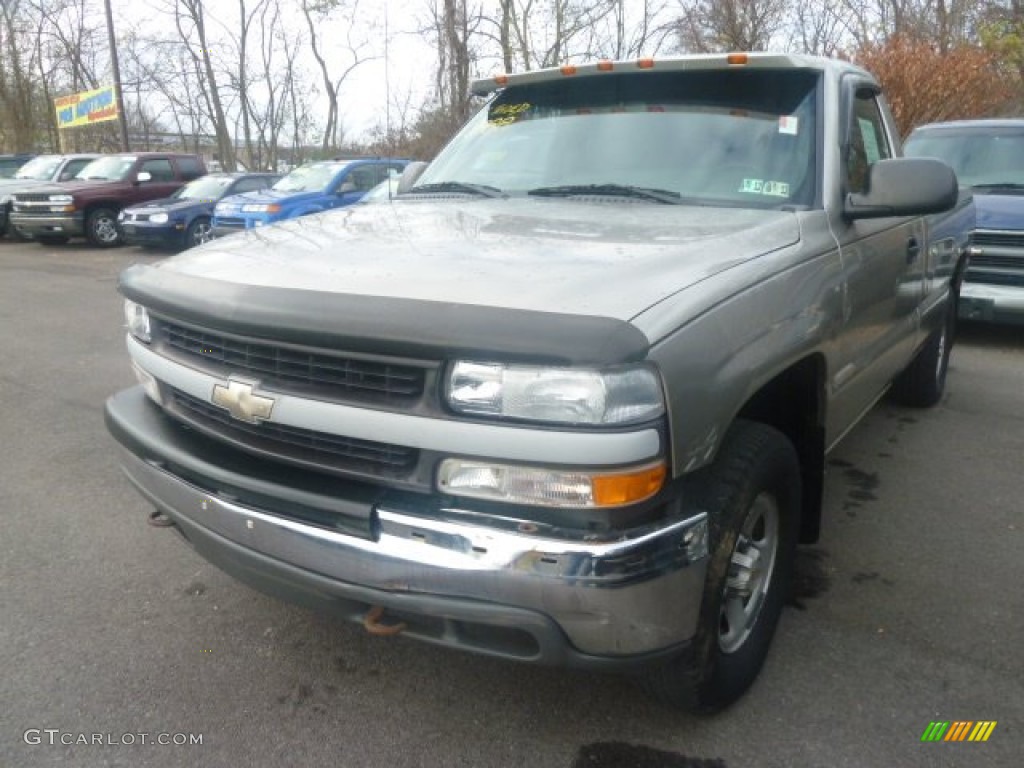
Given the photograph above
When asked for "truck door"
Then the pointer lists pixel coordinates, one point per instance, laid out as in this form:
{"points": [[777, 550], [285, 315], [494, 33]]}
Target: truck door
{"points": [[883, 265]]}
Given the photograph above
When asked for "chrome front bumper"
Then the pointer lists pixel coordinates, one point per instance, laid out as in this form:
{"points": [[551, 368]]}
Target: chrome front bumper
{"points": [[43, 224], [993, 303], [493, 585]]}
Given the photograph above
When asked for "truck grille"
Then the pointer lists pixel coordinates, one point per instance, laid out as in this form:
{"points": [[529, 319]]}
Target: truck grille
{"points": [[136, 217], [1001, 258], [296, 445], [230, 222], [999, 239], [292, 369], [32, 197]]}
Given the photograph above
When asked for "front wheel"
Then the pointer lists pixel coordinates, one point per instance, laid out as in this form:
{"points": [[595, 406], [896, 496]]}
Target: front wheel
{"points": [[198, 232], [752, 496], [923, 382], [101, 228]]}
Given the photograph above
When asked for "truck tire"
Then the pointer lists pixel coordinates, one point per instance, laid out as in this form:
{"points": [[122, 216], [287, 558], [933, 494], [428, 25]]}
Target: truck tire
{"points": [[101, 228], [922, 383], [752, 496]]}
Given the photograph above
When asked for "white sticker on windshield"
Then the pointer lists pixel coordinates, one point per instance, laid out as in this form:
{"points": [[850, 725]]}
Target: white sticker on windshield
{"points": [[789, 124], [765, 187]]}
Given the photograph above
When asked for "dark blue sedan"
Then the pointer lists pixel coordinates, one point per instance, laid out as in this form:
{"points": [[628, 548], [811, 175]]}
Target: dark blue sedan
{"points": [[183, 219]]}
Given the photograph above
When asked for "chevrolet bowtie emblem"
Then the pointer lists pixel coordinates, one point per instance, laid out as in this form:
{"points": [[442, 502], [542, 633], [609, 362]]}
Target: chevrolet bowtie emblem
{"points": [[237, 398]]}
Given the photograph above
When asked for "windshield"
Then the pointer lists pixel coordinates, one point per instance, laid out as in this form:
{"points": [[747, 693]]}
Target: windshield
{"points": [[205, 188], [40, 169], [742, 138], [112, 168], [980, 156], [309, 178]]}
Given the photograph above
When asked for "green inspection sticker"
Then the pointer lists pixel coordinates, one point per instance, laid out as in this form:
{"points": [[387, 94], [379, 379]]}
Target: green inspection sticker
{"points": [[763, 187]]}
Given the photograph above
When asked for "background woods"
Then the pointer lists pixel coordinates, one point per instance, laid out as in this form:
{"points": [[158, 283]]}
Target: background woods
{"points": [[264, 83]]}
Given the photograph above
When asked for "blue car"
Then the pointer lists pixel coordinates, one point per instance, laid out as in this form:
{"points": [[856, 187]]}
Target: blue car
{"points": [[988, 157], [310, 188], [183, 219]]}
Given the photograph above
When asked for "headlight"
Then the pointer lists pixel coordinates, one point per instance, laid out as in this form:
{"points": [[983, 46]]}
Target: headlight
{"points": [[221, 208], [121, 216], [560, 395], [5, 199], [261, 208], [136, 320], [550, 487], [61, 199], [158, 218]]}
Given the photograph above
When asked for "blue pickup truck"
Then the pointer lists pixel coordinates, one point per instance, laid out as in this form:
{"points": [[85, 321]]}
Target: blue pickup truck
{"points": [[988, 157], [310, 188]]}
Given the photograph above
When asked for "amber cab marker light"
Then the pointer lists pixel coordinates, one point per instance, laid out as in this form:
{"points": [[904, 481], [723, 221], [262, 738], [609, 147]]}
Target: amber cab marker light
{"points": [[568, 70], [645, 63], [501, 80], [605, 66], [736, 58]]}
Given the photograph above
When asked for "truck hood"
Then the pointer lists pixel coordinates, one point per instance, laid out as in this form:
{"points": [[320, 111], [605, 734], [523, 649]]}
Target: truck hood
{"points": [[999, 211], [10, 186], [609, 260], [70, 187]]}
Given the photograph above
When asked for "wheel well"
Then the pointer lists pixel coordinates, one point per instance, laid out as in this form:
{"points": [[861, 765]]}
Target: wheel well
{"points": [[794, 403], [90, 207]]}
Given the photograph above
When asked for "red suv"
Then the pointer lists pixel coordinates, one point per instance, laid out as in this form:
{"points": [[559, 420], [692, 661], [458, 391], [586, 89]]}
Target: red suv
{"points": [[88, 206]]}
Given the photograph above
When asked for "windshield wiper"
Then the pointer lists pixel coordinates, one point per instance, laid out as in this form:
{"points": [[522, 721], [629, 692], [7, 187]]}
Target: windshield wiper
{"points": [[457, 186], [612, 190], [999, 185]]}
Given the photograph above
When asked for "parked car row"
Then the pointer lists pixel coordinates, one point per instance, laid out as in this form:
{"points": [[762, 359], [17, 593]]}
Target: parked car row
{"points": [[169, 199]]}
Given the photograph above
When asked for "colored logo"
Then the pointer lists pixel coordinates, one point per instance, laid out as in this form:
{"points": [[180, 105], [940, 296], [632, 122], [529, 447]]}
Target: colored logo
{"points": [[959, 730]]}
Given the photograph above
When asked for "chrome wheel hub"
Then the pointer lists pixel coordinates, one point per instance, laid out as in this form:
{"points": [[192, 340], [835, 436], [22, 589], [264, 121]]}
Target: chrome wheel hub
{"points": [[751, 567]]}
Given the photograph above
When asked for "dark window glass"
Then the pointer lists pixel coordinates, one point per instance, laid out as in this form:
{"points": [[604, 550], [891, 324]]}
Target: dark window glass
{"points": [[868, 141], [160, 169]]}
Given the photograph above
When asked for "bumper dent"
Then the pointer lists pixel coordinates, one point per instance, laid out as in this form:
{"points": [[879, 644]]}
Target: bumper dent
{"points": [[524, 591]]}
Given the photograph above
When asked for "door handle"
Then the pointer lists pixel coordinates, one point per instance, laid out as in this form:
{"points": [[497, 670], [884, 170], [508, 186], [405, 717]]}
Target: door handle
{"points": [[913, 250]]}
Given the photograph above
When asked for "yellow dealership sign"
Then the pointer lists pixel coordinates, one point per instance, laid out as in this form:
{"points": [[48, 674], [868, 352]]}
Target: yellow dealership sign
{"points": [[86, 107]]}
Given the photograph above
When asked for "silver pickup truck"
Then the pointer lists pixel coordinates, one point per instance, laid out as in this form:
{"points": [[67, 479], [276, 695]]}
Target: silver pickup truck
{"points": [[567, 397]]}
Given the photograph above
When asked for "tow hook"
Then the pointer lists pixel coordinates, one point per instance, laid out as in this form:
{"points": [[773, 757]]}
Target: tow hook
{"points": [[372, 623], [159, 520]]}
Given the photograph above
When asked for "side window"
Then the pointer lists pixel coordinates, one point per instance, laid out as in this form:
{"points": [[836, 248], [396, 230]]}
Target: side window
{"points": [[364, 177], [248, 185], [190, 168], [73, 167], [868, 141], [159, 169]]}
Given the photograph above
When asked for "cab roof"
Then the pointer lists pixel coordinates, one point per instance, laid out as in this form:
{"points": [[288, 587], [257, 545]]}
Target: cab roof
{"points": [[713, 61]]}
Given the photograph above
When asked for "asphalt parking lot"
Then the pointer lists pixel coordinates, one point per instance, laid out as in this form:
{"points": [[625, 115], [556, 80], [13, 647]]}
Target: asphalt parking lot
{"points": [[909, 610]]}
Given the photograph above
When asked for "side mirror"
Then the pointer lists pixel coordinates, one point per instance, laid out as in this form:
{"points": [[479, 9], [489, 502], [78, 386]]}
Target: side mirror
{"points": [[143, 176], [904, 186], [412, 172], [347, 186]]}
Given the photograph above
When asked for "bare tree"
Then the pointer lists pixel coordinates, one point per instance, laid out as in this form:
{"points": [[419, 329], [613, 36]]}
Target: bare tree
{"points": [[190, 21], [821, 29], [712, 26], [356, 51]]}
